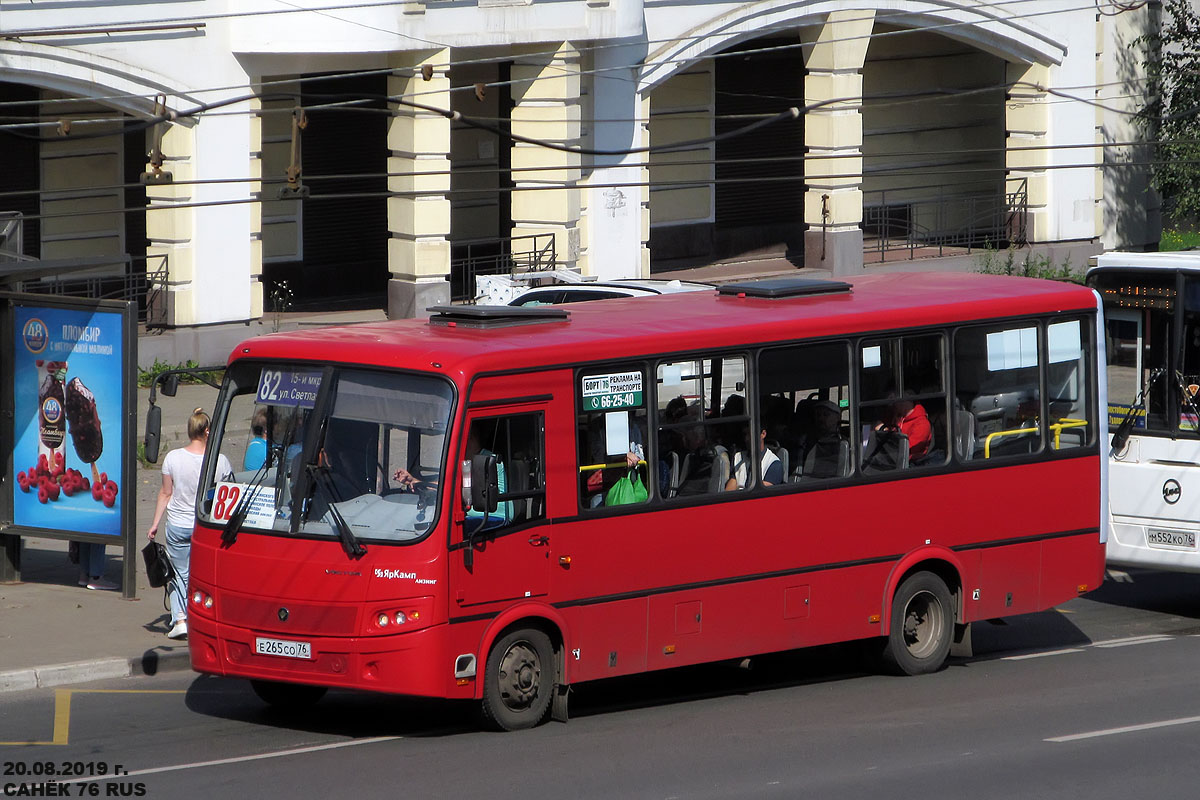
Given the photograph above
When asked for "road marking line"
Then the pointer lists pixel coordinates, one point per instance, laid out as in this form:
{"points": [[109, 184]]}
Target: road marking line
{"points": [[1074, 737], [238, 759], [1137, 640], [62, 712], [1043, 655]]}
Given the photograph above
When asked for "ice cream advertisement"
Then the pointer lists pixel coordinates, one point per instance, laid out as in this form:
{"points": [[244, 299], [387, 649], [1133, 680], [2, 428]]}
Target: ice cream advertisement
{"points": [[67, 452]]}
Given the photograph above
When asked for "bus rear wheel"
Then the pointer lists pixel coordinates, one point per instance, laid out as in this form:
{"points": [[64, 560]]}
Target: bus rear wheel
{"points": [[922, 626], [287, 695], [519, 682]]}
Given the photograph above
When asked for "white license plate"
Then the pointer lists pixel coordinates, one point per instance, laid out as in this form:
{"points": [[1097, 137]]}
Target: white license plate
{"points": [[1171, 540], [282, 647]]}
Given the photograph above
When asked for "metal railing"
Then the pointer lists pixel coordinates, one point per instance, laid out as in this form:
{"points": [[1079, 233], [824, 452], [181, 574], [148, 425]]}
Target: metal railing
{"points": [[147, 289], [513, 256], [12, 236], [894, 220]]}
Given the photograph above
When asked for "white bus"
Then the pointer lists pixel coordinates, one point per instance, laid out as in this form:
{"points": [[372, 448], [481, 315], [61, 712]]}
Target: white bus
{"points": [[1152, 335]]}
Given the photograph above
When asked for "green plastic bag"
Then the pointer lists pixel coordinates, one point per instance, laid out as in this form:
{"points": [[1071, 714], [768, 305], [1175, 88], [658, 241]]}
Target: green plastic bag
{"points": [[626, 490]]}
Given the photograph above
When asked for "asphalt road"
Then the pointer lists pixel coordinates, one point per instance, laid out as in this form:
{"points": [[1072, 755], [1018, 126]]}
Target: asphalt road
{"points": [[1094, 700]]}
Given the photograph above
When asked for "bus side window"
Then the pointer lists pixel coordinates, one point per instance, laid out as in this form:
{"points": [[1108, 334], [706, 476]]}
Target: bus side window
{"points": [[997, 384], [516, 442], [1068, 376], [902, 402], [703, 426], [612, 437], [804, 407]]}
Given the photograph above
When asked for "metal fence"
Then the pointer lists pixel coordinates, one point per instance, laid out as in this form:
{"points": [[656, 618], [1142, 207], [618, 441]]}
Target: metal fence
{"points": [[513, 256], [147, 289], [12, 236], [895, 220]]}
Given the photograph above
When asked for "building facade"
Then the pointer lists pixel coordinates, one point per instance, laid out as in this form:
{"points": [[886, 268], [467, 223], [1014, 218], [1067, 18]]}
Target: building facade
{"points": [[254, 154]]}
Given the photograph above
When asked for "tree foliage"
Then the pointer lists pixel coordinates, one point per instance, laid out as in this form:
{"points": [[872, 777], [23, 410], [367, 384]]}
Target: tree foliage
{"points": [[1171, 115]]}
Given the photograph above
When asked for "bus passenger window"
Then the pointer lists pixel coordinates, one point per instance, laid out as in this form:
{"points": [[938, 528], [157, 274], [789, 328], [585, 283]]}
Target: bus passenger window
{"points": [[997, 393], [804, 407], [1068, 376], [703, 425], [611, 432], [902, 403]]}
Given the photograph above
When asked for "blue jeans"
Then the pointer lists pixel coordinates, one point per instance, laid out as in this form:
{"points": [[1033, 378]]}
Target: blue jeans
{"points": [[91, 560], [179, 549]]}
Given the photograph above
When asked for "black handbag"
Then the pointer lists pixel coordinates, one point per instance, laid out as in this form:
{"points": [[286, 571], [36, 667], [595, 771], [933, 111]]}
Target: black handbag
{"points": [[158, 566]]}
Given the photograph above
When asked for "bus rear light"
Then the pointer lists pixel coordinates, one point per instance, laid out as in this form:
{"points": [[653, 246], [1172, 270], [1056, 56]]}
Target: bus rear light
{"points": [[1082, 588]]}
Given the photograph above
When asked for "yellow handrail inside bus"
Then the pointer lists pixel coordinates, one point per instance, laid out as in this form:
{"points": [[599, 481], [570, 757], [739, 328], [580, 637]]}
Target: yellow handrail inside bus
{"points": [[1057, 427], [614, 465]]}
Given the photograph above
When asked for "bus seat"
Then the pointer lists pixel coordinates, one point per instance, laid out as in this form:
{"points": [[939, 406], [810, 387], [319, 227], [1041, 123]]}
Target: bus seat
{"points": [[784, 461], [677, 475], [885, 451], [719, 474], [518, 481], [827, 458], [964, 434]]}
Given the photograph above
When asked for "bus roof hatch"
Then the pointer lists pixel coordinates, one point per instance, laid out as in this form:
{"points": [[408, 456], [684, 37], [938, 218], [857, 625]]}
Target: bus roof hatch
{"points": [[783, 287], [485, 316]]}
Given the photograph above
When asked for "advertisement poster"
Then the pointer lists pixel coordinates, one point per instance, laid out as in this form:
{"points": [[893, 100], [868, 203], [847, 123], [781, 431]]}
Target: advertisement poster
{"points": [[67, 411]]}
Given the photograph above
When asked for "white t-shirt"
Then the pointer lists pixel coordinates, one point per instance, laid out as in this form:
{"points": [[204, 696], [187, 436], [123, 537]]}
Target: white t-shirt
{"points": [[184, 470]]}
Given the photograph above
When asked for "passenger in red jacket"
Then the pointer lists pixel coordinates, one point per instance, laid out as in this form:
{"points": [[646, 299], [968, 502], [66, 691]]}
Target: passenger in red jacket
{"points": [[910, 419]]}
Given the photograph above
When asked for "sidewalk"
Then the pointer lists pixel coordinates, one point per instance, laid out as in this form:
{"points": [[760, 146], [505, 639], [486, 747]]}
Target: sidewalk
{"points": [[55, 632]]}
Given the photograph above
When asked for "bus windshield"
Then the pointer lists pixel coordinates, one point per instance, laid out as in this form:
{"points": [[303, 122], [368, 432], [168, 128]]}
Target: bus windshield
{"points": [[313, 448]]}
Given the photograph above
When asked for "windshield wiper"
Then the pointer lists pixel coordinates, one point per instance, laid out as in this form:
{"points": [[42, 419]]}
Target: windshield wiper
{"points": [[234, 523], [319, 476]]}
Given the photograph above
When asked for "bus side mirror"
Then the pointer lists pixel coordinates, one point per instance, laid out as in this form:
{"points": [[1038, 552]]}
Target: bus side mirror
{"points": [[485, 487], [153, 432], [170, 385]]}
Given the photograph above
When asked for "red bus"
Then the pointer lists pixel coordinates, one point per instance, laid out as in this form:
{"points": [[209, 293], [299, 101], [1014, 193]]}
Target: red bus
{"points": [[499, 503]]}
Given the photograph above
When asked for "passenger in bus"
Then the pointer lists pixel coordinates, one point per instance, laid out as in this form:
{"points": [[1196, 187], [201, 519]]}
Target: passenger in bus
{"points": [[594, 484], [256, 451], [768, 464], [910, 418]]}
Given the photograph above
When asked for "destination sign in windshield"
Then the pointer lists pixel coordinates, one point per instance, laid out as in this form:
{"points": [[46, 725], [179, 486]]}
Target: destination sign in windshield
{"points": [[294, 388]]}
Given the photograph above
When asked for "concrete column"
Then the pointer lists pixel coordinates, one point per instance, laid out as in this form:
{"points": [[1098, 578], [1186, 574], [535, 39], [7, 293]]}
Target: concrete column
{"points": [[545, 93], [170, 229], [1027, 121], [833, 205], [207, 244], [419, 214], [618, 208]]}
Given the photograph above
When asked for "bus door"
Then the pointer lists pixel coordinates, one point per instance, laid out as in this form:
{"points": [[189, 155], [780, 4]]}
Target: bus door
{"points": [[503, 553]]}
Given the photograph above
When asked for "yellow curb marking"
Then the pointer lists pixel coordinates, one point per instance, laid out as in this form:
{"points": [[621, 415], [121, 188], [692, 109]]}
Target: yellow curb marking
{"points": [[62, 711]]}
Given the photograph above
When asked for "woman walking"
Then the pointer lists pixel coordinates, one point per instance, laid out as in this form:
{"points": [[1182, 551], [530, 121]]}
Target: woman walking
{"points": [[177, 497]]}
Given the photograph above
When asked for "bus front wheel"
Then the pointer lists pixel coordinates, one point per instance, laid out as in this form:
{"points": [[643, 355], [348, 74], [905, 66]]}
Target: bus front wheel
{"points": [[519, 682], [287, 695], [922, 626]]}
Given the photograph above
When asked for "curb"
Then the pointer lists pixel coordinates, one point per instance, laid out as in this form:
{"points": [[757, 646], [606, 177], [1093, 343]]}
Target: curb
{"points": [[151, 662]]}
